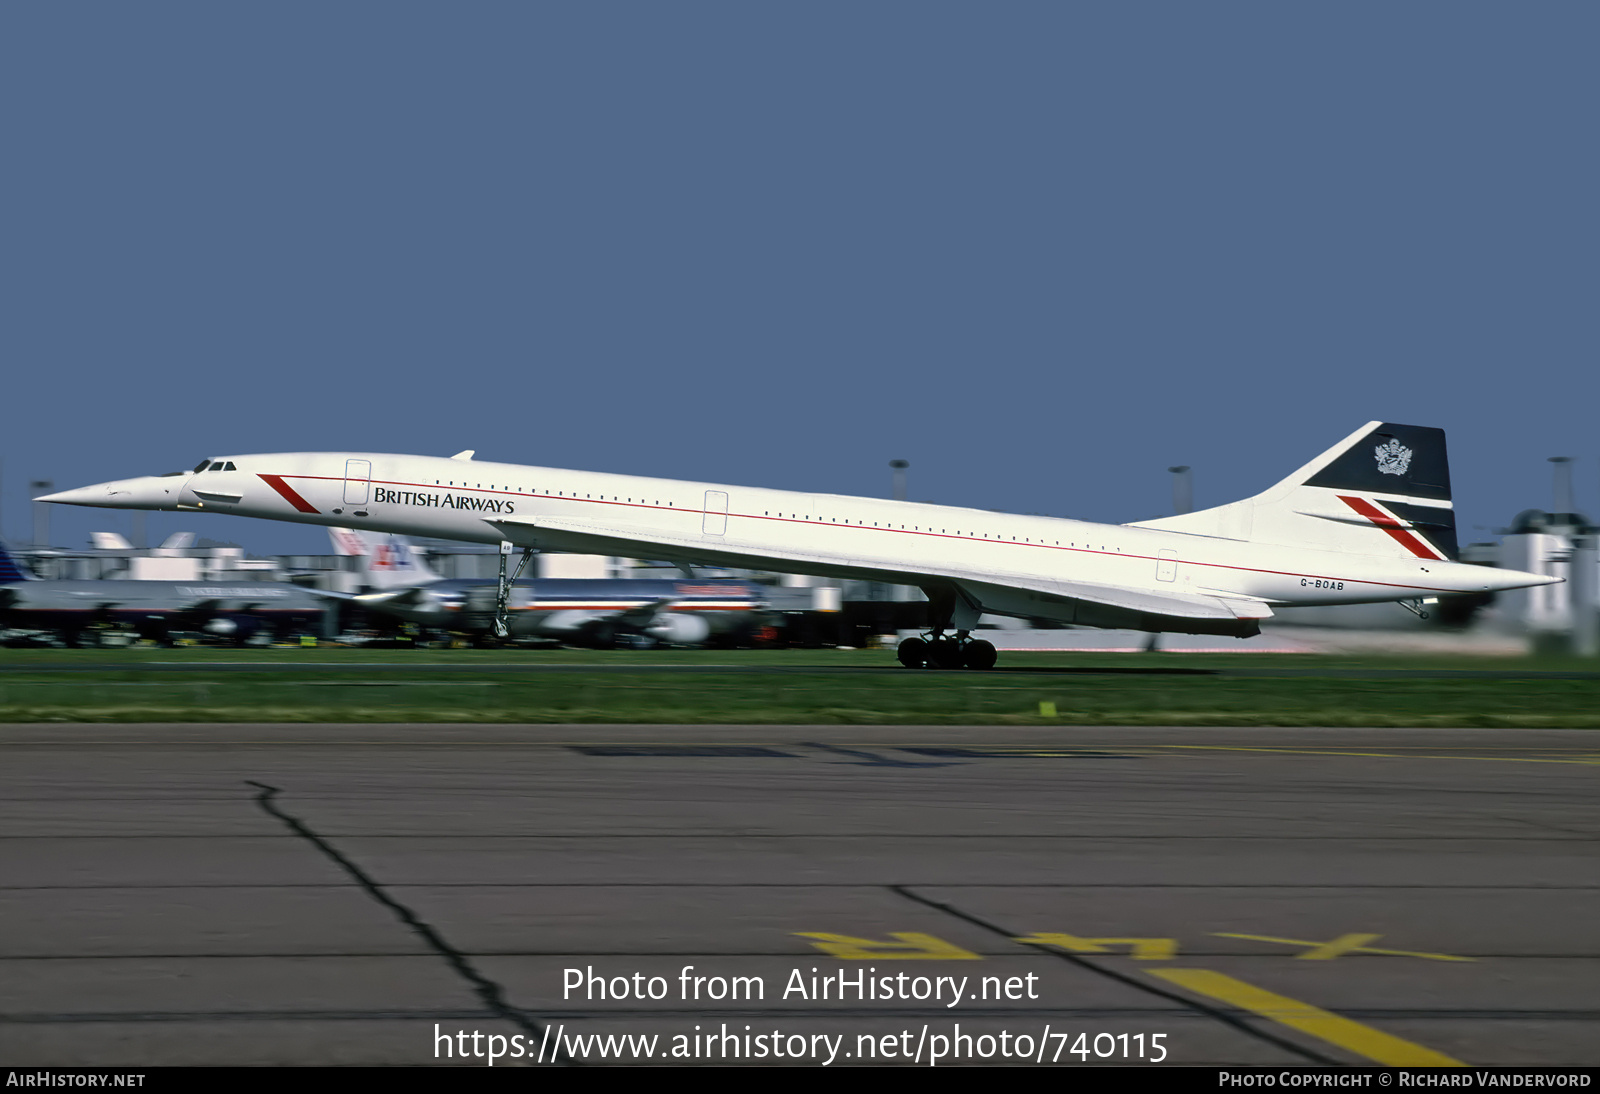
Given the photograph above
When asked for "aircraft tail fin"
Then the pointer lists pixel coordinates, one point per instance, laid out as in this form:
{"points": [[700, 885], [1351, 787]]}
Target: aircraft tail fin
{"points": [[1383, 490], [9, 570], [387, 561]]}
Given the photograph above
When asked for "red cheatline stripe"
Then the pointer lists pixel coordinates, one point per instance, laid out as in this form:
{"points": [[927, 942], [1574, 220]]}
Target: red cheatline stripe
{"points": [[929, 534], [1401, 535], [288, 494]]}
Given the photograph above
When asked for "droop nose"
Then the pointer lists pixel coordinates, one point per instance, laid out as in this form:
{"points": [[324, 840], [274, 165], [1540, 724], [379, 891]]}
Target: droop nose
{"points": [[145, 492]]}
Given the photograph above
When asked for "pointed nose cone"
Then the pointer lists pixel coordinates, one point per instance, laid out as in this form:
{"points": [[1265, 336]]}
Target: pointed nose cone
{"points": [[145, 492], [83, 495]]}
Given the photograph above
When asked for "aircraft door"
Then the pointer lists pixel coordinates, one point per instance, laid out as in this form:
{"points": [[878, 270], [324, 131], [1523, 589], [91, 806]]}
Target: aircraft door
{"points": [[1167, 566], [357, 481], [716, 513]]}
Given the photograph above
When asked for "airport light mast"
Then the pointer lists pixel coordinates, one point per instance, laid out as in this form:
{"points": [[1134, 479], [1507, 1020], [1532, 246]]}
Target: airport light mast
{"points": [[41, 513], [1182, 489]]}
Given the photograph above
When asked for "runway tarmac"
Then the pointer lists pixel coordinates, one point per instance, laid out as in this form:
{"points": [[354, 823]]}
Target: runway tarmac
{"points": [[754, 667], [360, 894]]}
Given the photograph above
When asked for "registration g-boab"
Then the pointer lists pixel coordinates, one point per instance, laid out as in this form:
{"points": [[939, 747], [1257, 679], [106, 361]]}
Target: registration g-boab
{"points": [[1368, 520]]}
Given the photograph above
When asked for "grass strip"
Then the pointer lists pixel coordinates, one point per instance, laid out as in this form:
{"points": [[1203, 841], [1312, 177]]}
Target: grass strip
{"points": [[811, 688]]}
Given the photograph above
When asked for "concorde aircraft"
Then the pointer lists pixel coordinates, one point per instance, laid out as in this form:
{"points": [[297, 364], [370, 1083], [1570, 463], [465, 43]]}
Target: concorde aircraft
{"points": [[1368, 520]]}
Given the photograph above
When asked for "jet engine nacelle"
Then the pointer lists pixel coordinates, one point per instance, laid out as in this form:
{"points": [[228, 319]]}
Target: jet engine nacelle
{"points": [[237, 627], [679, 629]]}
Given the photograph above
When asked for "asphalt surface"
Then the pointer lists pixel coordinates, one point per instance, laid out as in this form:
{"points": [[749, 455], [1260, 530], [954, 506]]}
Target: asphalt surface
{"points": [[245, 894], [754, 668]]}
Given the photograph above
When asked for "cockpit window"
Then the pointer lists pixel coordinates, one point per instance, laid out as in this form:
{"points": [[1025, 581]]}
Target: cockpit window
{"points": [[201, 466], [230, 467]]}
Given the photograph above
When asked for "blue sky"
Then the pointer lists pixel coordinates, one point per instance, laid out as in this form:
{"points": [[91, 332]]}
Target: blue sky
{"points": [[1040, 250]]}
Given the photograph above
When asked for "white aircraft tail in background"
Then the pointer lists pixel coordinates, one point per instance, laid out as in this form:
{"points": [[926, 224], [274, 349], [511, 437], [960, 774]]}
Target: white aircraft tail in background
{"points": [[388, 561]]}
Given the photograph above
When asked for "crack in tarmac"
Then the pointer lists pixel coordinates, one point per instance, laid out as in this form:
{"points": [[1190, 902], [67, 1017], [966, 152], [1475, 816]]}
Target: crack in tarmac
{"points": [[492, 994]]}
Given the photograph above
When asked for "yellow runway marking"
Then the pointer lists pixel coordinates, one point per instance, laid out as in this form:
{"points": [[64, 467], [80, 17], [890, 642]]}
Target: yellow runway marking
{"points": [[1338, 947], [911, 946], [1363, 1040], [1381, 755], [1143, 949]]}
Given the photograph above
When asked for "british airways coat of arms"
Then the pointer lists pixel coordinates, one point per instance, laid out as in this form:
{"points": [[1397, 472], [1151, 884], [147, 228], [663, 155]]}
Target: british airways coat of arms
{"points": [[1393, 458]]}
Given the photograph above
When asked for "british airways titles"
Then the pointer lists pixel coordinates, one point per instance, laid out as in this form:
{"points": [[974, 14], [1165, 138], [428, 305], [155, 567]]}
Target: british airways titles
{"points": [[443, 501]]}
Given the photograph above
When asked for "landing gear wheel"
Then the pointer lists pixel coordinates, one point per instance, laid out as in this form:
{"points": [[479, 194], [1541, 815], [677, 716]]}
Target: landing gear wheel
{"points": [[913, 652], [978, 654], [944, 653]]}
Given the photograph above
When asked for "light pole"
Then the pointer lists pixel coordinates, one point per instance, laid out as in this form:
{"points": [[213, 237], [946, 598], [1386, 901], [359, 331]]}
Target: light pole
{"points": [[41, 513], [1563, 484], [899, 469], [1182, 489]]}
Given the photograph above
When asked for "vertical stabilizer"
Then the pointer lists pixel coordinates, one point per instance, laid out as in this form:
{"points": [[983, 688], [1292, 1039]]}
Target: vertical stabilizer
{"points": [[10, 572], [1384, 490], [387, 561]]}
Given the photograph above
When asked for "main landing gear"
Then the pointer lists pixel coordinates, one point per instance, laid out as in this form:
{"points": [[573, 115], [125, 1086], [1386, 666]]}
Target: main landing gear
{"points": [[952, 610], [942, 651]]}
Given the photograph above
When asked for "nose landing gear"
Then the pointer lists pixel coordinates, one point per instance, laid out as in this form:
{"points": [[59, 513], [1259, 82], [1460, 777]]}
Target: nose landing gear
{"points": [[503, 593]]}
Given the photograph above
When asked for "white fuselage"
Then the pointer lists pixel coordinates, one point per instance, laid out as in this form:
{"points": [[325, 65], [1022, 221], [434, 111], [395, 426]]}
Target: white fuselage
{"points": [[822, 534]]}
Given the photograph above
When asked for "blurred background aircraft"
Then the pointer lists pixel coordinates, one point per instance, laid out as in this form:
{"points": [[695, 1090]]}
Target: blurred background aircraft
{"points": [[597, 613], [112, 612]]}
